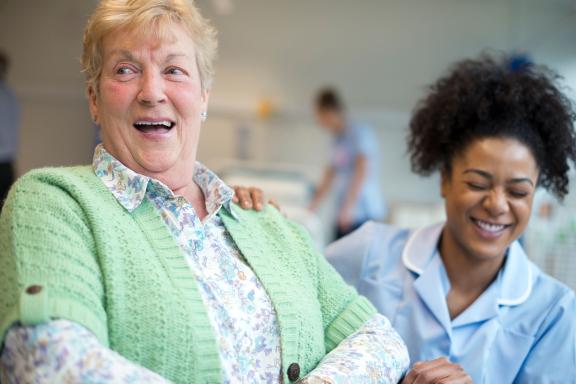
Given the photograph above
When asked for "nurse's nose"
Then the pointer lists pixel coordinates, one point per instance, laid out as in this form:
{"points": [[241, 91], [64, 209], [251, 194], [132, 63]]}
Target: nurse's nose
{"points": [[496, 202], [151, 89]]}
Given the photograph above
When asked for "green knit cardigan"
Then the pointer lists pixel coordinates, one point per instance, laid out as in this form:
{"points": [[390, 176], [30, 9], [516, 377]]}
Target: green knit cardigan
{"points": [[69, 250]]}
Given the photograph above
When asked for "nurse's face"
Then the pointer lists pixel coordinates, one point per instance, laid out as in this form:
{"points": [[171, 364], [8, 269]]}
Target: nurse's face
{"points": [[488, 197], [331, 120]]}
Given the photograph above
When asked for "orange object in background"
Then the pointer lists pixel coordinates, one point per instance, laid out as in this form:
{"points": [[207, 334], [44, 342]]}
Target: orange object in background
{"points": [[265, 108]]}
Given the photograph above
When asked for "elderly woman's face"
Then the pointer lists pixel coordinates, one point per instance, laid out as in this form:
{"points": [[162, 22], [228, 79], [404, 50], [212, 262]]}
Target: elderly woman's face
{"points": [[150, 101]]}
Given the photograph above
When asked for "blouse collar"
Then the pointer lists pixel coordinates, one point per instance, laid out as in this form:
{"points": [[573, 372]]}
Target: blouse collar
{"points": [[130, 187]]}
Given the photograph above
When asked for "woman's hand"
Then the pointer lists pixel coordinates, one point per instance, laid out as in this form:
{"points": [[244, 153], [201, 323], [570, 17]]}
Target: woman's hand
{"points": [[438, 371], [251, 198], [345, 219]]}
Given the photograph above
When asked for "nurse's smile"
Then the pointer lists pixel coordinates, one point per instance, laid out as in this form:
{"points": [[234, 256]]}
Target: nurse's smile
{"points": [[488, 229], [488, 193]]}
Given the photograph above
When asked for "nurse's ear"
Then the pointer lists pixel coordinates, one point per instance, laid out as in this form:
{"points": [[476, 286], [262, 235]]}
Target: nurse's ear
{"points": [[445, 181]]}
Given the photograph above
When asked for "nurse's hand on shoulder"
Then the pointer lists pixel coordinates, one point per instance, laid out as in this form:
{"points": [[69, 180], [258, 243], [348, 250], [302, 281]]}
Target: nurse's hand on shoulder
{"points": [[438, 371], [251, 198]]}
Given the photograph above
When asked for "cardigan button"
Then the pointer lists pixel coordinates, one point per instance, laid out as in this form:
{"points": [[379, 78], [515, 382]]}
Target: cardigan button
{"points": [[34, 289], [293, 372]]}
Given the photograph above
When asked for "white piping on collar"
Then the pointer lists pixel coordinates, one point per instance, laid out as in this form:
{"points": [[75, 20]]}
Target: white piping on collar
{"points": [[407, 249], [509, 302], [522, 298]]}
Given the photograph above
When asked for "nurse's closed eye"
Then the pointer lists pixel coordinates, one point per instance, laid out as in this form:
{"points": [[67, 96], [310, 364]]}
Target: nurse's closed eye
{"points": [[519, 194], [477, 186]]}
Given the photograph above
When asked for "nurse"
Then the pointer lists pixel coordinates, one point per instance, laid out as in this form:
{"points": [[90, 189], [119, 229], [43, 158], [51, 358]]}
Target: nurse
{"points": [[352, 172], [462, 294]]}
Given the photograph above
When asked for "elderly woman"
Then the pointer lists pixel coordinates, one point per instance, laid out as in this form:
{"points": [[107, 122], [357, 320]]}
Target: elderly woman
{"points": [[140, 269]]}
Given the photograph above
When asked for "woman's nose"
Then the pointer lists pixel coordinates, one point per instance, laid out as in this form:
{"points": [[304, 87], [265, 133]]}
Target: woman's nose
{"points": [[151, 89], [496, 202]]}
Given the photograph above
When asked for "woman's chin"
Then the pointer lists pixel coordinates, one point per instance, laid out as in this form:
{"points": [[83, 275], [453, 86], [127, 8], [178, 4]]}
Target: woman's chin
{"points": [[157, 164], [488, 250]]}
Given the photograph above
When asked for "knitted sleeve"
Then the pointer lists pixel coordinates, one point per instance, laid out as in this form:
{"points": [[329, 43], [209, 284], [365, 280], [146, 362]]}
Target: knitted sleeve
{"points": [[344, 311], [48, 265]]}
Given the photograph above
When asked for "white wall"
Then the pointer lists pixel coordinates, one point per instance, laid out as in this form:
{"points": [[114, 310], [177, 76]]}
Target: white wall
{"points": [[44, 41], [380, 53]]}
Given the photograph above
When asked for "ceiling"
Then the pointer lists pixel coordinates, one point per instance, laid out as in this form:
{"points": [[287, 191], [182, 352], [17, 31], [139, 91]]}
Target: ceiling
{"points": [[381, 53]]}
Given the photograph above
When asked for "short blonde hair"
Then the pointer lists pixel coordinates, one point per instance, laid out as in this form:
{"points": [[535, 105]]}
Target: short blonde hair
{"points": [[147, 17]]}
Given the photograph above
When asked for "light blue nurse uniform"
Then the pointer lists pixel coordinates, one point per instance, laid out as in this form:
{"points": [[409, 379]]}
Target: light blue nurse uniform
{"points": [[522, 329], [358, 139]]}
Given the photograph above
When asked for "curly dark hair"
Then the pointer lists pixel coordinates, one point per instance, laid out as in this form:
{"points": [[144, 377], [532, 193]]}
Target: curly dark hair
{"points": [[488, 97]]}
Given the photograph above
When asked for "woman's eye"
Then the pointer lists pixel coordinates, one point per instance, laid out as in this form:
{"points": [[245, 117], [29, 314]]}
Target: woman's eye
{"points": [[518, 194], [175, 71], [476, 187], [125, 71]]}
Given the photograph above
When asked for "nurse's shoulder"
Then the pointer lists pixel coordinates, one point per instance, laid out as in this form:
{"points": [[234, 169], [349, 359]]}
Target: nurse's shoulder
{"points": [[550, 292], [547, 302], [546, 322], [373, 251], [363, 138]]}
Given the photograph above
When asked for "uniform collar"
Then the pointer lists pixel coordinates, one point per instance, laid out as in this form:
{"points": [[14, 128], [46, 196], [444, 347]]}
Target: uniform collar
{"points": [[514, 281], [130, 187], [517, 277]]}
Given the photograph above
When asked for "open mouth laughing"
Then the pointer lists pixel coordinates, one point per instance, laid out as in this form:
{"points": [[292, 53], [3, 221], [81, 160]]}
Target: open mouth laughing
{"points": [[154, 126], [490, 229]]}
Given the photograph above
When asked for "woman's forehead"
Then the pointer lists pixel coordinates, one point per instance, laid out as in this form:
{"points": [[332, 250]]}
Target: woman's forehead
{"points": [[495, 147], [498, 155], [172, 40]]}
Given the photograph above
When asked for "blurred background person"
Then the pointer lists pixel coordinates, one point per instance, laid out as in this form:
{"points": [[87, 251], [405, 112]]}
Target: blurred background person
{"points": [[352, 171], [9, 125]]}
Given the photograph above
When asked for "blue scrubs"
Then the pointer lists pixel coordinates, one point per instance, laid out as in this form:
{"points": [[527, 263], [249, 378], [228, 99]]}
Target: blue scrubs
{"points": [[357, 140], [522, 329]]}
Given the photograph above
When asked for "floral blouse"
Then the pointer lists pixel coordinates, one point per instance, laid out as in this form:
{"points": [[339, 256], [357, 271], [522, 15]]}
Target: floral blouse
{"points": [[239, 309]]}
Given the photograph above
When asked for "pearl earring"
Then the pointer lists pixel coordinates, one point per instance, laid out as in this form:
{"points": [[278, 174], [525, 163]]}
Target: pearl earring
{"points": [[203, 115]]}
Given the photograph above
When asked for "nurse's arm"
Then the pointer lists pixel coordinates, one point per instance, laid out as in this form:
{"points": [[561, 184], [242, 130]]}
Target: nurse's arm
{"points": [[347, 255], [345, 215], [437, 371], [323, 188]]}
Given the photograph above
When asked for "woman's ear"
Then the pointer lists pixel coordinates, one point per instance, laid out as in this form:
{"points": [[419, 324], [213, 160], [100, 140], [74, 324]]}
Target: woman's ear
{"points": [[205, 97], [93, 103]]}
